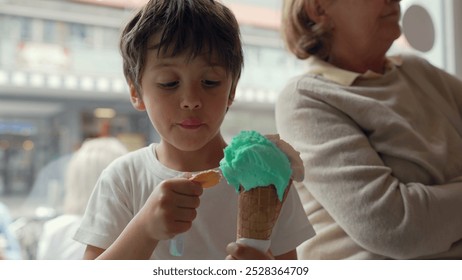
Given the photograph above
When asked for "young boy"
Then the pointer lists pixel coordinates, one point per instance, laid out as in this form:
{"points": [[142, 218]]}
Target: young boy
{"points": [[182, 61]]}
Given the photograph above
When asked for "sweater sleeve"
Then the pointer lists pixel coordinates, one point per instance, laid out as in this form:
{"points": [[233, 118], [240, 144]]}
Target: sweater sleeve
{"points": [[348, 178]]}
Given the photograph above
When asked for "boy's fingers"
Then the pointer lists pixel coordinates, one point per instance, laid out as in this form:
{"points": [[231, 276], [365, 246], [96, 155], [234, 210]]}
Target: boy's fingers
{"points": [[243, 252], [187, 201], [180, 226], [185, 215], [184, 187]]}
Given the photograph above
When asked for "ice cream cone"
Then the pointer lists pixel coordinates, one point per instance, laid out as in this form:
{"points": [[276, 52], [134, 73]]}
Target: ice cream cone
{"points": [[261, 171], [258, 212]]}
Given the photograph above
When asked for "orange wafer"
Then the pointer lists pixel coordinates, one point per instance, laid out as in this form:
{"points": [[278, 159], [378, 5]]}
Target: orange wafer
{"points": [[207, 178]]}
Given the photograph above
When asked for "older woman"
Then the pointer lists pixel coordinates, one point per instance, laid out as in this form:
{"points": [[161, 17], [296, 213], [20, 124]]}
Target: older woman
{"points": [[381, 137]]}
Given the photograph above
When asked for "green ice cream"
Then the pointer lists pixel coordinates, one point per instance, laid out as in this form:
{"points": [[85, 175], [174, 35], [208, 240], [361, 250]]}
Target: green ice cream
{"points": [[251, 160]]}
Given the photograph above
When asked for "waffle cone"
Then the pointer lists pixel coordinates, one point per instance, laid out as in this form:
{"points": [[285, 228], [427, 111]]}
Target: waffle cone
{"points": [[258, 212]]}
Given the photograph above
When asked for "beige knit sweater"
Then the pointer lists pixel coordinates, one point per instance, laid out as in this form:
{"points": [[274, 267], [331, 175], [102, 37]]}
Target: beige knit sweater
{"points": [[383, 161]]}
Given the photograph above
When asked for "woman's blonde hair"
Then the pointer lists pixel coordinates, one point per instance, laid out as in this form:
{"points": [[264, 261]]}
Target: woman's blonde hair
{"points": [[304, 37], [84, 169]]}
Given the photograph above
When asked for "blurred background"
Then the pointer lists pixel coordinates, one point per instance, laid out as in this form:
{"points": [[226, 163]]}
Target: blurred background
{"points": [[61, 82]]}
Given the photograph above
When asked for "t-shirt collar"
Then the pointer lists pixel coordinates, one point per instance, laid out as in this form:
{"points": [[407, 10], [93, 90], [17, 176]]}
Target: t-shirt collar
{"points": [[344, 77]]}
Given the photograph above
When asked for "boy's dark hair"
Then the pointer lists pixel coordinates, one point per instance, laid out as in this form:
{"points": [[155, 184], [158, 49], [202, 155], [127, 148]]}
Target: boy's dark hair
{"points": [[195, 26]]}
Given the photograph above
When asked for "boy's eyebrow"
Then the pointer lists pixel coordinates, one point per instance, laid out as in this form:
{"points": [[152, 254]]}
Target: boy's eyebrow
{"points": [[165, 64], [162, 64]]}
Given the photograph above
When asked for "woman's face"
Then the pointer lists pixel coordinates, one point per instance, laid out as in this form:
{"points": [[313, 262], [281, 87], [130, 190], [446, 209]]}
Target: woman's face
{"points": [[363, 25]]}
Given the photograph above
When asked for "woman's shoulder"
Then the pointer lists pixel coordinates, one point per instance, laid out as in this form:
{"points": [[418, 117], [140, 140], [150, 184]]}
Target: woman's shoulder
{"points": [[413, 61], [418, 66], [309, 85]]}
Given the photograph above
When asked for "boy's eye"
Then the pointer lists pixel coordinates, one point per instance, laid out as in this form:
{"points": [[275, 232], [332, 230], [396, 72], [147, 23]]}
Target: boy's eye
{"points": [[168, 85], [210, 83]]}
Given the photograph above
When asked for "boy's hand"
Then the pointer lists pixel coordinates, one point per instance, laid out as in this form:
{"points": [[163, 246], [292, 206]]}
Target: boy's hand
{"points": [[171, 208], [242, 252]]}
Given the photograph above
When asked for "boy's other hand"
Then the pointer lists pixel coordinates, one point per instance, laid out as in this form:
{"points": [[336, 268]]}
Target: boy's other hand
{"points": [[242, 252], [171, 208]]}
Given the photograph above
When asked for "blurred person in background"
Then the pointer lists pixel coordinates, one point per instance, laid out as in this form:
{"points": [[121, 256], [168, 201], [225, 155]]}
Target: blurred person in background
{"points": [[83, 171], [9, 245], [380, 137], [47, 194]]}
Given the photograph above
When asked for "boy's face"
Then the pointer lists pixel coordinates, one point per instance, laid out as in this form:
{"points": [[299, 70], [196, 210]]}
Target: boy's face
{"points": [[186, 101]]}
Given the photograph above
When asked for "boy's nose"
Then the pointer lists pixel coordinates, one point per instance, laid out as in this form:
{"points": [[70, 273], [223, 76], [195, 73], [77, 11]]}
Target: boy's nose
{"points": [[191, 101], [191, 106]]}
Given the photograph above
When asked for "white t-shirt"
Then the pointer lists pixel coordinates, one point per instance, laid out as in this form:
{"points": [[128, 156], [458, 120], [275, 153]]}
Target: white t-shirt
{"points": [[126, 184]]}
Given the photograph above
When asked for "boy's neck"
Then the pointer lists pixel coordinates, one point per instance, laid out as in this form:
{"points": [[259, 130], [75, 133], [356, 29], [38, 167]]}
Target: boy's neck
{"points": [[191, 161]]}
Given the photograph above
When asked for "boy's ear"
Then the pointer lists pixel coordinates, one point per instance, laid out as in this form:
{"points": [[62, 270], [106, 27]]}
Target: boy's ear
{"points": [[135, 98], [232, 93]]}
